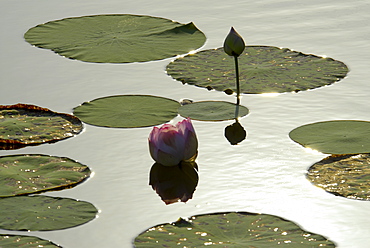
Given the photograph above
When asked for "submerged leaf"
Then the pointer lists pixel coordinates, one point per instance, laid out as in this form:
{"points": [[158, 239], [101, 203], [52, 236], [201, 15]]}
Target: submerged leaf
{"points": [[25, 124], [334, 137], [263, 69], [344, 175], [43, 213], [116, 38], [213, 111], [127, 111], [30, 173], [232, 229]]}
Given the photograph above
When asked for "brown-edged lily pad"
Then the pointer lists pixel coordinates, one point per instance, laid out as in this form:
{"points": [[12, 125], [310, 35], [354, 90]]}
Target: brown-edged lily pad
{"points": [[263, 69], [25, 124], [31, 173], [343, 175], [232, 229]]}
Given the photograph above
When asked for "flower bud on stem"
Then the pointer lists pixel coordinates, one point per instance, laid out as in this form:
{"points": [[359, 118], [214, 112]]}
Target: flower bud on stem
{"points": [[234, 46]]}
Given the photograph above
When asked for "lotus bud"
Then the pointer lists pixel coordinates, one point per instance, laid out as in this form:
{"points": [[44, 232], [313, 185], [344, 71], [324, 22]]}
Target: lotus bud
{"points": [[234, 44], [169, 145]]}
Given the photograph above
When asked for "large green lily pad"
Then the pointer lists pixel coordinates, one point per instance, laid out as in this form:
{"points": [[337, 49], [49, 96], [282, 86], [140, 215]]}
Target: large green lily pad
{"points": [[213, 111], [43, 213], [343, 175], [31, 173], [233, 229], [25, 124], [14, 241], [263, 69], [116, 38], [127, 111], [334, 137]]}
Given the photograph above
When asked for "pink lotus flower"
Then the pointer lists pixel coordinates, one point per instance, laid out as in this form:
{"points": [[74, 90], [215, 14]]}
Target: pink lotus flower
{"points": [[169, 145]]}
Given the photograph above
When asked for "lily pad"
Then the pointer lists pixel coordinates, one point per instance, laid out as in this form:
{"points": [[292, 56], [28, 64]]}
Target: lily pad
{"points": [[127, 111], [334, 137], [25, 124], [31, 173], [43, 213], [24, 242], [263, 69], [232, 229], [212, 111], [343, 175], [116, 38]]}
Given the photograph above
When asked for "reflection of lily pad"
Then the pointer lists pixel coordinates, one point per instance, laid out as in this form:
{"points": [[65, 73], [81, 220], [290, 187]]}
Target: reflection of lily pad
{"points": [[127, 111], [24, 124], [263, 69], [24, 241], [43, 213], [344, 175], [116, 38], [232, 229], [212, 111], [334, 137], [25, 174]]}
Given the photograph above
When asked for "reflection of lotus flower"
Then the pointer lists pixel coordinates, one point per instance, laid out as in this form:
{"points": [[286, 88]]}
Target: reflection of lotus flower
{"points": [[174, 183], [169, 145], [234, 44]]}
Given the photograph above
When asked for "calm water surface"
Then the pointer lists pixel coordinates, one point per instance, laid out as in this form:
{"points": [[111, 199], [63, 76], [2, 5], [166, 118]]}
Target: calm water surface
{"points": [[265, 173]]}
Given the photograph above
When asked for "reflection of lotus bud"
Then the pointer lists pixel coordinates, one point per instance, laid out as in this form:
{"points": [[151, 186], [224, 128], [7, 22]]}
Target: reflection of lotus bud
{"points": [[235, 133], [169, 145], [234, 44]]}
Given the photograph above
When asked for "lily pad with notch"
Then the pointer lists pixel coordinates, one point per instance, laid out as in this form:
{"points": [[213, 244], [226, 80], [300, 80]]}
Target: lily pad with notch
{"points": [[44, 213], [263, 69], [230, 229], [334, 137], [116, 38], [127, 111], [213, 111], [14, 241], [34, 173], [343, 175], [25, 124]]}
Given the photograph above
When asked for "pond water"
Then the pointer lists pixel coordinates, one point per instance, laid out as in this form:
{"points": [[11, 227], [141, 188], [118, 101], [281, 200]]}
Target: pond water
{"points": [[264, 174]]}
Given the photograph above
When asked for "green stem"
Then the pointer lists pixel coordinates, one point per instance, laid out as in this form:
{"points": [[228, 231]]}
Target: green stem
{"points": [[237, 80]]}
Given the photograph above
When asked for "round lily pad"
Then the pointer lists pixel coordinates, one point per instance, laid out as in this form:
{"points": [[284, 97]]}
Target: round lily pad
{"points": [[334, 137], [116, 38], [23, 241], [232, 229], [127, 111], [343, 175], [212, 111], [43, 213], [263, 69], [25, 124], [31, 173]]}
